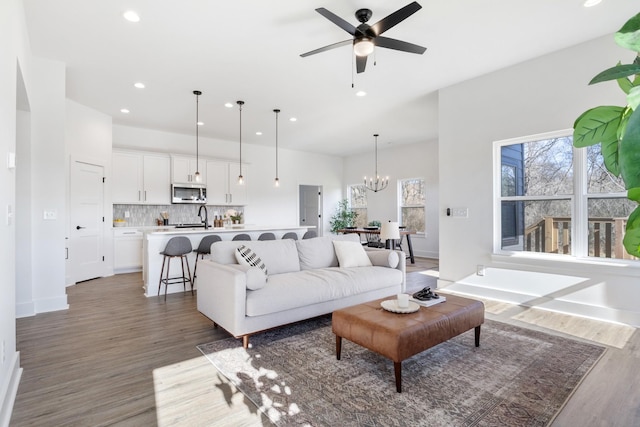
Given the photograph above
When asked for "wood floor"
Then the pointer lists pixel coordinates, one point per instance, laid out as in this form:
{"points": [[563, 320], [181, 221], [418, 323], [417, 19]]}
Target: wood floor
{"points": [[118, 358]]}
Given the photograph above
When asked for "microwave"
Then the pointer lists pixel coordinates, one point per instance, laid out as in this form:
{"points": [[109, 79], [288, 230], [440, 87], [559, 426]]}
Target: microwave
{"points": [[188, 193]]}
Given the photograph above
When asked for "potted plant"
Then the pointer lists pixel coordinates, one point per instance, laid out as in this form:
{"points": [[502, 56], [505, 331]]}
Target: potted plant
{"points": [[343, 217], [617, 129]]}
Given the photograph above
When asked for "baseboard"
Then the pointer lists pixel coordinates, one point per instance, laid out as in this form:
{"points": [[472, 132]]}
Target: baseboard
{"points": [[45, 305], [25, 309], [10, 390]]}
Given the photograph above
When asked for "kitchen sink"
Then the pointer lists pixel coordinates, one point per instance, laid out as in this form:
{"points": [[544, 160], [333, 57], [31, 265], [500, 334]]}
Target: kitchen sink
{"points": [[198, 225]]}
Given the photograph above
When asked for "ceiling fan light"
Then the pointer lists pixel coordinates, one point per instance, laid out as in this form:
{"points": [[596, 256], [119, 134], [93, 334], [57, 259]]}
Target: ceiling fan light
{"points": [[363, 47]]}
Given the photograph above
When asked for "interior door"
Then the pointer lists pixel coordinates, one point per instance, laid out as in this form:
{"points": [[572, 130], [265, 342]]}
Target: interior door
{"points": [[311, 206], [86, 221]]}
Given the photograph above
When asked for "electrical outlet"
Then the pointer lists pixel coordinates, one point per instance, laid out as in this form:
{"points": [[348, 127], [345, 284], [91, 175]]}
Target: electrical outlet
{"points": [[460, 212], [126, 214], [480, 270]]}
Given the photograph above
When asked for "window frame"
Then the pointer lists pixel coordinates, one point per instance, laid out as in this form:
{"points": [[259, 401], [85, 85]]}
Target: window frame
{"points": [[578, 199], [356, 208], [423, 206]]}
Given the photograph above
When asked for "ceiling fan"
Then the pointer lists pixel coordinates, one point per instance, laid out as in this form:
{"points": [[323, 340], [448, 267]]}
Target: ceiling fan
{"points": [[366, 37]]}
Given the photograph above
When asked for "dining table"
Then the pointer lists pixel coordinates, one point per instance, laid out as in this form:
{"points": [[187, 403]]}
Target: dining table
{"points": [[403, 232]]}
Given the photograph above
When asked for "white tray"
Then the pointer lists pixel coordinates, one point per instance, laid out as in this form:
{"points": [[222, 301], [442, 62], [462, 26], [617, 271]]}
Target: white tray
{"points": [[428, 303], [392, 306]]}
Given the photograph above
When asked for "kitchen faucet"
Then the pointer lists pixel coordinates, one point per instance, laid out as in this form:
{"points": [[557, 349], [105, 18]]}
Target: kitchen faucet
{"points": [[206, 216]]}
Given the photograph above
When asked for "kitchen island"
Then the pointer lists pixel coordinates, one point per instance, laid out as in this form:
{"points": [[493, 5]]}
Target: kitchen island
{"points": [[155, 241]]}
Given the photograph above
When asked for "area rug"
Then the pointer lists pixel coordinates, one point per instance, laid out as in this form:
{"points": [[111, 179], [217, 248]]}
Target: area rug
{"points": [[517, 377]]}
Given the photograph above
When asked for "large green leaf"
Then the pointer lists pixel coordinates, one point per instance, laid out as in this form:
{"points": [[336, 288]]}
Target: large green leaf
{"points": [[597, 125], [633, 97], [625, 84], [629, 152], [631, 239], [629, 35], [633, 194], [609, 151], [617, 72]]}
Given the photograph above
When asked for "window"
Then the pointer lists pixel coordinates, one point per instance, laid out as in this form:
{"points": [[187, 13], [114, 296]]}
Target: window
{"points": [[358, 203], [412, 201], [541, 206]]}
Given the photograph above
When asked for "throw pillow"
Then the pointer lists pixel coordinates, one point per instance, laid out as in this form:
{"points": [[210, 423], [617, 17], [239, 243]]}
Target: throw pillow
{"points": [[255, 277], [351, 254], [246, 256], [384, 258]]}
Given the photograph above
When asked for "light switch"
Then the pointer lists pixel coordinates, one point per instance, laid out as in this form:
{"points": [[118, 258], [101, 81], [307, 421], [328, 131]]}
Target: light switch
{"points": [[11, 160], [50, 214]]}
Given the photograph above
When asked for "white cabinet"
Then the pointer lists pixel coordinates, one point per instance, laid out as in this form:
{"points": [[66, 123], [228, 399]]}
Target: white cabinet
{"points": [[140, 178], [127, 250], [222, 183], [183, 169]]}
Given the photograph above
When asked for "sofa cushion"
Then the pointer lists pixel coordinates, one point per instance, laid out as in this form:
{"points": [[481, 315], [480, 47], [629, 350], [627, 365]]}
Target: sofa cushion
{"points": [[280, 256], [247, 256], [319, 252], [351, 254], [294, 290], [225, 252], [384, 258]]}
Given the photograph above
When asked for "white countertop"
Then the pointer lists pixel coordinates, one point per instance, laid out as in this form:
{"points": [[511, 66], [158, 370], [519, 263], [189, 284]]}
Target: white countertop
{"points": [[232, 229]]}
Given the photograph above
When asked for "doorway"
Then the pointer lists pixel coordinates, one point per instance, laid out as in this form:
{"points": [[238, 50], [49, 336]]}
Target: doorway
{"points": [[310, 197], [86, 253]]}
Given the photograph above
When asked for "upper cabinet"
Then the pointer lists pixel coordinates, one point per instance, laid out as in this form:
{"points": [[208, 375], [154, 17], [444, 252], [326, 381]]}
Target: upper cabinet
{"points": [[183, 170], [222, 183], [140, 178]]}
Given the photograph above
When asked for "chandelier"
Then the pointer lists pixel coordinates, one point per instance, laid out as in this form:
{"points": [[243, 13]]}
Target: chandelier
{"points": [[374, 183]]}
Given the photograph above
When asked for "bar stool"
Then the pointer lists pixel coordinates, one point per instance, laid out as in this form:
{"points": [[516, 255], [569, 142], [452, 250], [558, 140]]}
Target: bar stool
{"points": [[177, 247], [204, 248], [309, 234], [242, 236], [267, 236], [290, 235]]}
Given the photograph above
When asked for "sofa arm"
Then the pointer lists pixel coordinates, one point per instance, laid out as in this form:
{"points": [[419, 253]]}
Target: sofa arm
{"points": [[222, 294]]}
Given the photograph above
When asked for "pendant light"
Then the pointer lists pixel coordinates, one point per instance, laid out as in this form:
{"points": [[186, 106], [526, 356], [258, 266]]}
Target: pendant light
{"points": [[240, 177], [376, 184], [277, 181], [198, 178]]}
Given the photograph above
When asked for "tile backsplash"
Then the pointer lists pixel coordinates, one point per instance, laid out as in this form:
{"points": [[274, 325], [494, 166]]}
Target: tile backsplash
{"points": [[147, 215]]}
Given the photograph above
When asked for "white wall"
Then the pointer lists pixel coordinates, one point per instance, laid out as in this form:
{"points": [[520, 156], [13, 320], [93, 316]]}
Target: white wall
{"points": [[267, 205], [401, 162], [14, 50], [542, 95]]}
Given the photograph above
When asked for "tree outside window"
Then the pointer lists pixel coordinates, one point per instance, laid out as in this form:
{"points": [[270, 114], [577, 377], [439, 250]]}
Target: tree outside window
{"points": [[358, 203], [412, 203]]}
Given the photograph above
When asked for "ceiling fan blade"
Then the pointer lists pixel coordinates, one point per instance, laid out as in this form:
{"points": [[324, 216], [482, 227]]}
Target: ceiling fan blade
{"points": [[361, 63], [399, 45], [395, 18], [329, 47], [337, 20]]}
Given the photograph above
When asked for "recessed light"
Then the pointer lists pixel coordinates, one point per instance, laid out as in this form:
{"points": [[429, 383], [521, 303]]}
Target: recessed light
{"points": [[361, 93], [228, 105], [139, 85], [131, 16], [293, 119], [590, 3], [258, 133], [200, 123], [124, 111]]}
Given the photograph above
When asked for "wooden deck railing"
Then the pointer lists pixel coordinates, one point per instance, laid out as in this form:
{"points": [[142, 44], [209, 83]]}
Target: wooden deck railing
{"points": [[552, 235]]}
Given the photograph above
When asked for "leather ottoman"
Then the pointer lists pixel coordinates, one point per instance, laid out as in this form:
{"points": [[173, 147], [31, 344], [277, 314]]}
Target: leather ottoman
{"points": [[400, 336]]}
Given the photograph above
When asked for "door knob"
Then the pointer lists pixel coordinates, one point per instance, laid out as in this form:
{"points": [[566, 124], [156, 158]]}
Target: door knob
{"points": [[78, 227]]}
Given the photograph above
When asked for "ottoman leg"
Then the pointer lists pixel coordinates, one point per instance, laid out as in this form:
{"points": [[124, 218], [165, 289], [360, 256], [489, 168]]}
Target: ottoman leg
{"points": [[478, 336], [338, 346], [397, 367]]}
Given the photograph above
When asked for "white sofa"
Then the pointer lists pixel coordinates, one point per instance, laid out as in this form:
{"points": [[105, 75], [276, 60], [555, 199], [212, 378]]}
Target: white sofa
{"points": [[304, 279]]}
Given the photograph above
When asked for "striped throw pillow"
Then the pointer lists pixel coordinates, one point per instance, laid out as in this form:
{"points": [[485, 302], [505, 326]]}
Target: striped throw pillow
{"points": [[246, 256]]}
